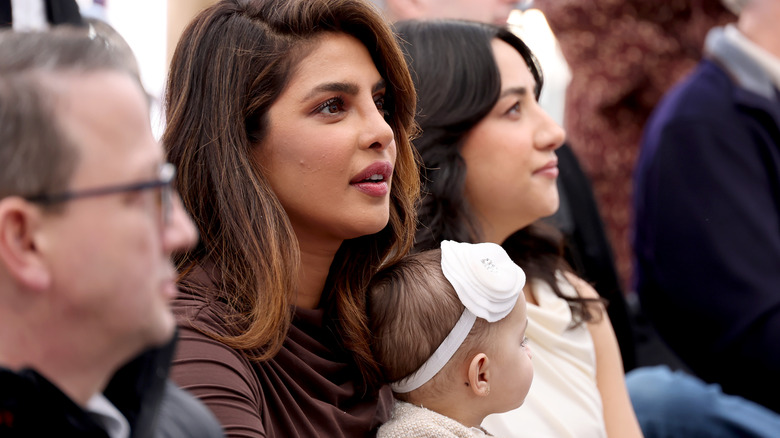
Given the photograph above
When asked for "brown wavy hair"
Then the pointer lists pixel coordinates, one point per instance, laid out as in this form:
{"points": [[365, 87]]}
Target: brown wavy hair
{"points": [[229, 67]]}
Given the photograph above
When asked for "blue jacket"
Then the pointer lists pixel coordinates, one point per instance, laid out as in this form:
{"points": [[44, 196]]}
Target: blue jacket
{"points": [[707, 222]]}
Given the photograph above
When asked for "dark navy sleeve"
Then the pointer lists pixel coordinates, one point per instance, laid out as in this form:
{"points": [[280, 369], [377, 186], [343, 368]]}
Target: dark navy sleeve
{"points": [[708, 244]]}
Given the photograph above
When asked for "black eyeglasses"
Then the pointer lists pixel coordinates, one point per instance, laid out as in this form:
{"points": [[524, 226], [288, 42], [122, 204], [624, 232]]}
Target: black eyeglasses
{"points": [[165, 177]]}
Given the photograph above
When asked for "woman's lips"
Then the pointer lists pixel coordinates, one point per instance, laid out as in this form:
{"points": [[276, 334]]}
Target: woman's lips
{"points": [[374, 180], [549, 170]]}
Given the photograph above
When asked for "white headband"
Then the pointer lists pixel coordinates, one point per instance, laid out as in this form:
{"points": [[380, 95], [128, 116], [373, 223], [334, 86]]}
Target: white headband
{"points": [[487, 282]]}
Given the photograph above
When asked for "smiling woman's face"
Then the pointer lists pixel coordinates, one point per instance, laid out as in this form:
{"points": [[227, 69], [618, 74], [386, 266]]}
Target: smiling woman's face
{"points": [[511, 166], [329, 153]]}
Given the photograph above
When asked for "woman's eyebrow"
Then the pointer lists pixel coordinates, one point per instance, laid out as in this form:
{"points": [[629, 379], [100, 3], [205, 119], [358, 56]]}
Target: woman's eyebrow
{"points": [[379, 86], [349, 88], [520, 91], [337, 87]]}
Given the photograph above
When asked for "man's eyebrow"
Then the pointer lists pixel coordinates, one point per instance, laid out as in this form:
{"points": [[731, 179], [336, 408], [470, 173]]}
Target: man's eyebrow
{"points": [[148, 170], [521, 91]]}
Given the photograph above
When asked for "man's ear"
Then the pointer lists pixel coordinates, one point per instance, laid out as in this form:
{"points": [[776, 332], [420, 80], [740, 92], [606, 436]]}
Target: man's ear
{"points": [[19, 255], [479, 375]]}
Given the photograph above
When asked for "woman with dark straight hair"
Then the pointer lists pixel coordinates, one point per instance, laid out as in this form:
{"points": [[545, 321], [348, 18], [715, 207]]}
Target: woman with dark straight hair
{"points": [[489, 175], [289, 123]]}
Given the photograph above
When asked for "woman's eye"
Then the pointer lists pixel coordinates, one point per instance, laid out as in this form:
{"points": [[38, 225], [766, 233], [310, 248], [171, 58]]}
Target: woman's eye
{"points": [[380, 105], [331, 106], [515, 109]]}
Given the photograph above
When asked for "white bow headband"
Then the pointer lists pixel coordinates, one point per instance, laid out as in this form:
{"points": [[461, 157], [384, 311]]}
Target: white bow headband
{"points": [[487, 282]]}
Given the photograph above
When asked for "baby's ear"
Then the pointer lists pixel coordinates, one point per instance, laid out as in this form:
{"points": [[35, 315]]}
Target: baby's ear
{"points": [[479, 375]]}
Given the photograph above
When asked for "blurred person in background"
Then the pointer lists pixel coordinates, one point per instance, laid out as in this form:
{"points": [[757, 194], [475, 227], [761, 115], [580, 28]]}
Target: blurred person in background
{"points": [[486, 11], [707, 203], [32, 15], [624, 55]]}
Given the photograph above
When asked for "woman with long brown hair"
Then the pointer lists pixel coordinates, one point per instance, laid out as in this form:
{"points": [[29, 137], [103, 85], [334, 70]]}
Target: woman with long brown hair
{"points": [[289, 123]]}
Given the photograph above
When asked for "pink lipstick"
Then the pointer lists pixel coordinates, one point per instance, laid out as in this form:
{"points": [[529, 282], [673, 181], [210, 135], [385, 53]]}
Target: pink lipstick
{"points": [[374, 180]]}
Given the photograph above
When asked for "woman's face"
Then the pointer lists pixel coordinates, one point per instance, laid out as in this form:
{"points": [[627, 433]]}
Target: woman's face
{"points": [[329, 153], [511, 166]]}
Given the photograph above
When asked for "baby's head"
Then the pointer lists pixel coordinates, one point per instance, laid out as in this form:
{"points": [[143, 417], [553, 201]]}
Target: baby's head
{"points": [[450, 324]]}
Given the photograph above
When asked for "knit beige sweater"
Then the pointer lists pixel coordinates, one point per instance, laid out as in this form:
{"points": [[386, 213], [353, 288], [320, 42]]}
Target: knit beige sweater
{"points": [[415, 421]]}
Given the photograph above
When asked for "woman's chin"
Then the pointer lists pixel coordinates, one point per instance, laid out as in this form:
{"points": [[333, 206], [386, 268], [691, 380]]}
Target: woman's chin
{"points": [[552, 206], [366, 227]]}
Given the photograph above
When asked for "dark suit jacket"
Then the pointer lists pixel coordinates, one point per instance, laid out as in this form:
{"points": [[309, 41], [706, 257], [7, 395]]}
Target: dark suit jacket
{"points": [[31, 406], [57, 12], [707, 227]]}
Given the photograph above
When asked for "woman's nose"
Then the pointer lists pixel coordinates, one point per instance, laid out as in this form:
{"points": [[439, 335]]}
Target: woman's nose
{"points": [[549, 134], [378, 133]]}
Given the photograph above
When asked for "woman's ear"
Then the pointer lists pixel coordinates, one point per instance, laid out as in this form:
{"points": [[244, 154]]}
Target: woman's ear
{"points": [[479, 375], [19, 255]]}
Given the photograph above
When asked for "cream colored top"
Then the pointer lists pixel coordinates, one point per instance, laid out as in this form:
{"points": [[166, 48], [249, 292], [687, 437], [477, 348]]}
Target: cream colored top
{"points": [[564, 400], [416, 421]]}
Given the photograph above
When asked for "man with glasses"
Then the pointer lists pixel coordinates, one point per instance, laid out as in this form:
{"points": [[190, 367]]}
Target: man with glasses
{"points": [[88, 223]]}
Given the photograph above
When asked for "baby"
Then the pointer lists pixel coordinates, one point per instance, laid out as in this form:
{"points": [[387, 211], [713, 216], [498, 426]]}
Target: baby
{"points": [[449, 331]]}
